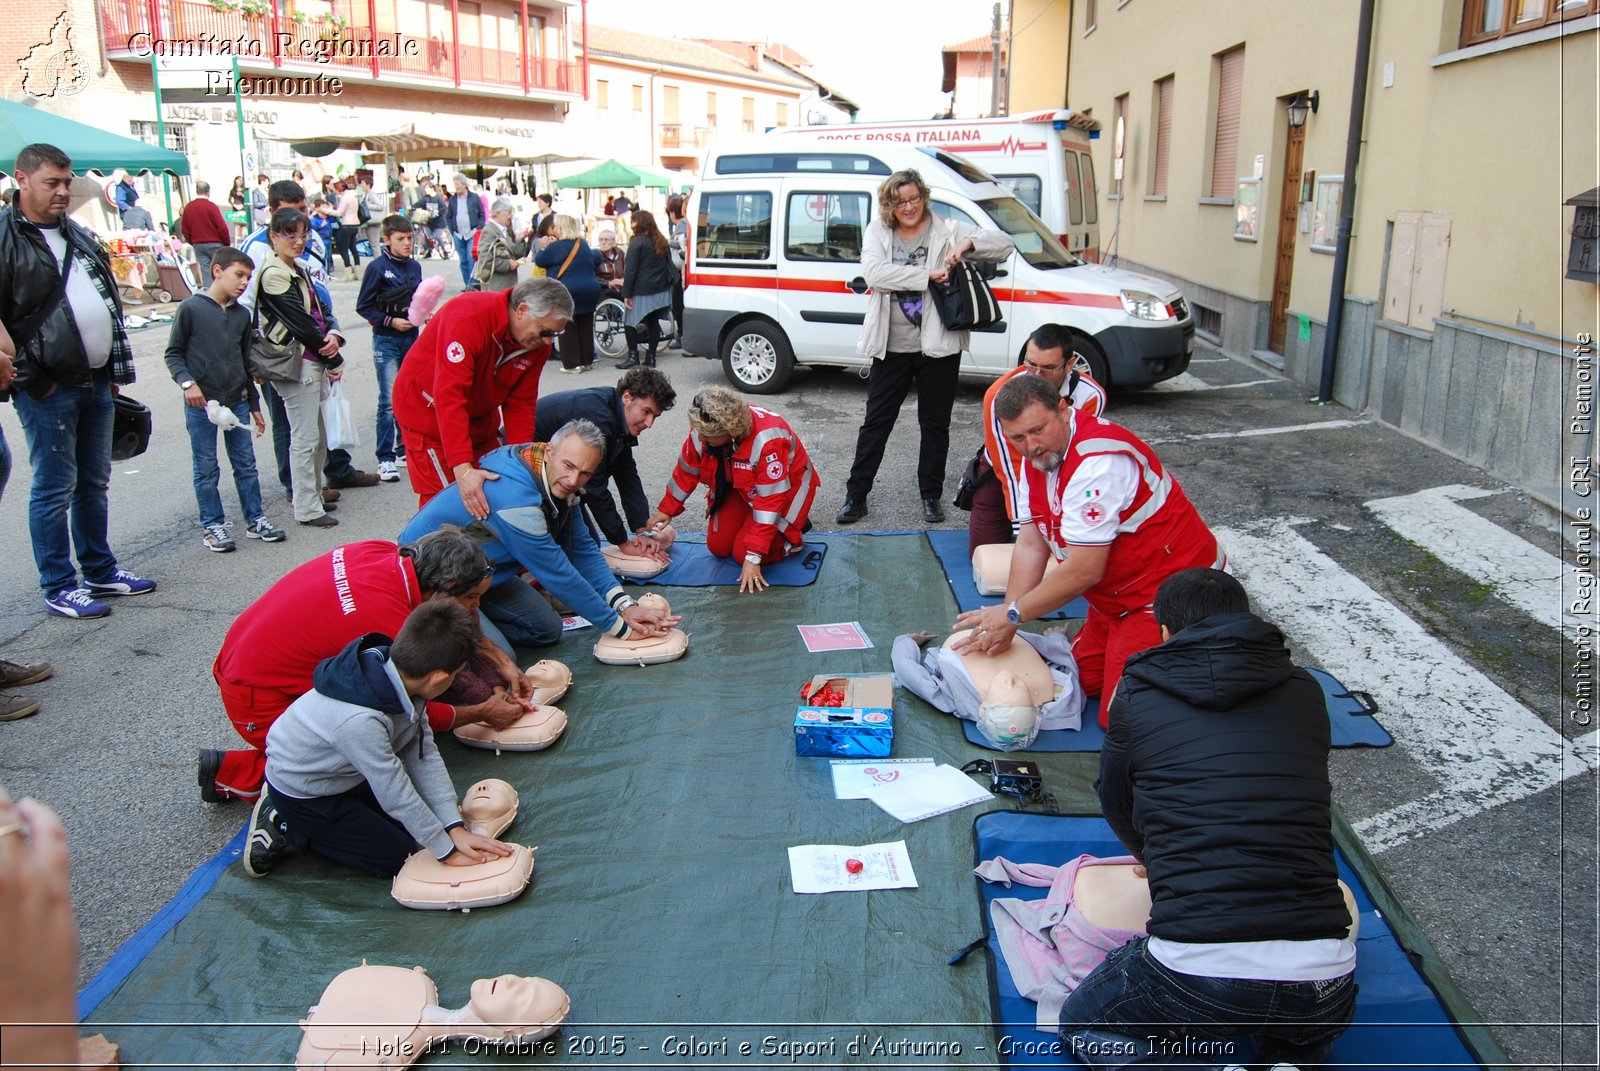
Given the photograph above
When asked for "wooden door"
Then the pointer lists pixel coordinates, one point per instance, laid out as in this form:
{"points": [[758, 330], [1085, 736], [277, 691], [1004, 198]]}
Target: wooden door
{"points": [[1288, 213]]}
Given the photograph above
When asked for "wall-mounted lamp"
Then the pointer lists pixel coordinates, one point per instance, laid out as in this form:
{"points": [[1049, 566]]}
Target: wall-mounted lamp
{"points": [[1302, 106]]}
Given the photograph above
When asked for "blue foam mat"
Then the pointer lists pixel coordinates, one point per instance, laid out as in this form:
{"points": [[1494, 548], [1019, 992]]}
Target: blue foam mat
{"points": [[951, 549], [693, 566], [1399, 1022], [1350, 719]]}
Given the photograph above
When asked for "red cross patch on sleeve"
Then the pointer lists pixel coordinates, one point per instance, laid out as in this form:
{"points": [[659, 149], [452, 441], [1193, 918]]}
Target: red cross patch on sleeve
{"points": [[775, 469]]}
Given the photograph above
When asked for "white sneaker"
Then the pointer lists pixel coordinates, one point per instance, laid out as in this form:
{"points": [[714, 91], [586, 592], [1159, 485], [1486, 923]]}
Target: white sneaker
{"points": [[217, 538], [388, 472]]}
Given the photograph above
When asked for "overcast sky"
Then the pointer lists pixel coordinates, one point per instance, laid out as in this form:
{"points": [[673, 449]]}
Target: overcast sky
{"points": [[883, 54]]}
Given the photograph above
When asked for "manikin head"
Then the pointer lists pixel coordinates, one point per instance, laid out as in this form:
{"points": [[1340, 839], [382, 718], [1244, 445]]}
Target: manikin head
{"points": [[1007, 717]]}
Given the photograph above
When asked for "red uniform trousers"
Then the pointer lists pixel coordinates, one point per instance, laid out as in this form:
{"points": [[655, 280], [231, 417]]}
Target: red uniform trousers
{"points": [[252, 711], [1105, 644], [726, 529]]}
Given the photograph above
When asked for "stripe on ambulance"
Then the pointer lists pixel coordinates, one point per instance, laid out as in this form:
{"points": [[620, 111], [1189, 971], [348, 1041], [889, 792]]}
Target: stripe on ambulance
{"points": [[836, 286]]}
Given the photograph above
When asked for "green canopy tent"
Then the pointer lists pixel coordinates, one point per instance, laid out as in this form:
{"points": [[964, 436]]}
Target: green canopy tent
{"points": [[90, 148], [613, 173]]}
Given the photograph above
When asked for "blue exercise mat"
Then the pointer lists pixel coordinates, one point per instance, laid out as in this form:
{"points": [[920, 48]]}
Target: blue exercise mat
{"points": [[951, 550], [693, 566], [1351, 716], [1400, 1020]]}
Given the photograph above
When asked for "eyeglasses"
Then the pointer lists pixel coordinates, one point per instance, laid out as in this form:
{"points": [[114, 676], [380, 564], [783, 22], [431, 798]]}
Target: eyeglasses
{"points": [[545, 332], [909, 202], [1030, 366]]}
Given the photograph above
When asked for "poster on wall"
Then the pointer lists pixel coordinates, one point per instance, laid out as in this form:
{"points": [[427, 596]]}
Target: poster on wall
{"points": [[1325, 213], [1247, 210]]}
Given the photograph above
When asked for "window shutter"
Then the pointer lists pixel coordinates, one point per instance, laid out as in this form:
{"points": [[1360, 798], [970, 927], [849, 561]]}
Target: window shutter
{"points": [[1402, 264], [1158, 179], [1427, 286], [1225, 145], [669, 104]]}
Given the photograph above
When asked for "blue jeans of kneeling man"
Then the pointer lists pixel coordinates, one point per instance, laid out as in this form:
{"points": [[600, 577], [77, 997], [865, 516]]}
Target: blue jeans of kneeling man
{"points": [[1134, 1012], [69, 447], [241, 458], [513, 614]]}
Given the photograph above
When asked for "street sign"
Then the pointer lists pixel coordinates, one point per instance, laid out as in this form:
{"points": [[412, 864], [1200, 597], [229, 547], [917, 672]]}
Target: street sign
{"points": [[249, 163]]}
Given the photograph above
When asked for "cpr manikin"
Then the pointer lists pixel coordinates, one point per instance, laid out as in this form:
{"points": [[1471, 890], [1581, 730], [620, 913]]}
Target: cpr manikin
{"points": [[991, 568], [638, 566], [389, 1017], [647, 651], [427, 884], [540, 726], [1011, 696]]}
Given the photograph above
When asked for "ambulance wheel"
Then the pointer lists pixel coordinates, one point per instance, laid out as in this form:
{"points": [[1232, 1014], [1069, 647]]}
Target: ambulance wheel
{"points": [[757, 358], [1090, 360]]}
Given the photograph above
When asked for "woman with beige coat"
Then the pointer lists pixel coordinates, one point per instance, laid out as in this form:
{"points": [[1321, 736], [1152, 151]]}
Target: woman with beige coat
{"points": [[907, 247]]}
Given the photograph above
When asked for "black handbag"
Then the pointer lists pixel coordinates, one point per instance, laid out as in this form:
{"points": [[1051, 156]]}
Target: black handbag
{"points": [[973, 477], [964, 300]]}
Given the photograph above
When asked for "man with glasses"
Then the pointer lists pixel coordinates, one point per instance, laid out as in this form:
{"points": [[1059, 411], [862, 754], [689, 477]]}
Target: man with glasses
{"points": [[999, 506], [474, 369]]}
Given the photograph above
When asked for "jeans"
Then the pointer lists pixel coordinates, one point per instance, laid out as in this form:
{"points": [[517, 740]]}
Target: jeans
{"points": [[337, 466], [513, 614], [203, 252], [1132, 1011], [892, 375], [464, 255], [351, 828], [387, 353], [207, 473], [69, 446], [303, 403]]}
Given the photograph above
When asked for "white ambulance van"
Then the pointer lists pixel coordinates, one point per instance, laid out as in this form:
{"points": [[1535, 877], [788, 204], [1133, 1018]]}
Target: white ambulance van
{"points": [[773, 278], [1042, 157]]}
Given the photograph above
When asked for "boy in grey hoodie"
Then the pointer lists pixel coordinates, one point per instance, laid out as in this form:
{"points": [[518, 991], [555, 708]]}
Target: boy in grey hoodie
{"points": [[353, 774]]}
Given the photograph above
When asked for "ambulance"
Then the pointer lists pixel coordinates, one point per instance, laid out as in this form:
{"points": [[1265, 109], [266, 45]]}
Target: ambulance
{"points": [[773, 276], [1042, 157]]}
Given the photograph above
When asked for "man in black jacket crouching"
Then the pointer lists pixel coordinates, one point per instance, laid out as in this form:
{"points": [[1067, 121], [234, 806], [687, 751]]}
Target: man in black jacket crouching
{"points": [[1214, 776]]}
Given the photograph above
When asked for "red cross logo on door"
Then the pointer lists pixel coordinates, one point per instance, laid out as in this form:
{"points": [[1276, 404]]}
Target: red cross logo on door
{"points": [[817, 207]]}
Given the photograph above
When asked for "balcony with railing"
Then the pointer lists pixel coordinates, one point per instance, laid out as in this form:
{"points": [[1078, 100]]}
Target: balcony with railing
{"points": [[265, 34], [679, 136]]}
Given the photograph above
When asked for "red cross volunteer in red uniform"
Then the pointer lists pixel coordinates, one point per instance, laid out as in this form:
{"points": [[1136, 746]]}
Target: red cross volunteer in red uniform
{"points": [[474, 369], [761, 482], [1101, 501]]}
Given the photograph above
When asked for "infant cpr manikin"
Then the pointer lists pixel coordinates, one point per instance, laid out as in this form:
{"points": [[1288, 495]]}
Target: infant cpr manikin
{"points": [[389, 1017], [648, 651], [427, 884], [637, 566], [539, 727]]}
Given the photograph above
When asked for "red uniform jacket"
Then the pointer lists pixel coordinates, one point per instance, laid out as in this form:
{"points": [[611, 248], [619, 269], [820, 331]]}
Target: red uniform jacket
{"points": [[1160, 533], [770, 471], [315, 611], [465, 375]]}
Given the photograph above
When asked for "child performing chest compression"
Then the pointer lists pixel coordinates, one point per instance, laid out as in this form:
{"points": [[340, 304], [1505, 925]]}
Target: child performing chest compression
{"points": [[353, 774], [207, 354]]}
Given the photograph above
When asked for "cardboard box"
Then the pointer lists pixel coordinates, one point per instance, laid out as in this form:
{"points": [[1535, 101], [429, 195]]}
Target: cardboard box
{"points": [[862, 728]]}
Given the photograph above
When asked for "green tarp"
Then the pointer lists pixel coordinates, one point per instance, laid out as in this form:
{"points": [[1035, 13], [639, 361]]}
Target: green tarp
{"points": [[90, 148], [615, 174]]}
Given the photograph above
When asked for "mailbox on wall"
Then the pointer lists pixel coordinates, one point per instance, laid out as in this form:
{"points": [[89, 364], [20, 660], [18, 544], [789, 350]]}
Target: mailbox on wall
{"points": [[1583, 257]]}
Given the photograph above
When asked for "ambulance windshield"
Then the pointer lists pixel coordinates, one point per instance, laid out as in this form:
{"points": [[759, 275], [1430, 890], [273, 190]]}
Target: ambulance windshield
{"points": [[1033, 239]]}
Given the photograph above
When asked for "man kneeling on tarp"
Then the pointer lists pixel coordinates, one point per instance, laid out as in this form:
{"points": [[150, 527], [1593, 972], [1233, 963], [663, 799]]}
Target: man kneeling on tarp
{"points": [[535, 523], [1214, 776], [353, 774]]}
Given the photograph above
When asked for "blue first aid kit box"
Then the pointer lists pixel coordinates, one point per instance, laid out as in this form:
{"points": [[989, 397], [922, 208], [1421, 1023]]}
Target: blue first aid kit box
{"points": [[862, 727]]}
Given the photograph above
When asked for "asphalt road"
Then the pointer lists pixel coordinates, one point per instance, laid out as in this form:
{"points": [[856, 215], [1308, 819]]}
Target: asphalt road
{"points": [[1505, 892]]}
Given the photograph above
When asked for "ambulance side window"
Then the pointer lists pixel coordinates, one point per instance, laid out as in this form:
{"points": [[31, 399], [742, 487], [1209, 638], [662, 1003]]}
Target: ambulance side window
{"points": [[1074, 191], [951, 212], [1026, 188], [1091, 195], [734, 226], [825, 226]]}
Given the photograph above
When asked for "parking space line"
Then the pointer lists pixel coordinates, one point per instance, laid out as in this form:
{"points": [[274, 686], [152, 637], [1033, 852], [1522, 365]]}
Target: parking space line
{"points": [[1251, 433], [1184, 383], [1520, 573], [1478, 746]]}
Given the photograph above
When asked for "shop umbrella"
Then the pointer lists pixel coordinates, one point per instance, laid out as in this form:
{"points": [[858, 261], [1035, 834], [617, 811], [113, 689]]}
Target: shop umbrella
{"points": [[90, 148]]}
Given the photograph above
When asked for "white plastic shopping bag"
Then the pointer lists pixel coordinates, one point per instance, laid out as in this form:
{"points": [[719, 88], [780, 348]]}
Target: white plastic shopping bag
{"points": [[338, 421]]}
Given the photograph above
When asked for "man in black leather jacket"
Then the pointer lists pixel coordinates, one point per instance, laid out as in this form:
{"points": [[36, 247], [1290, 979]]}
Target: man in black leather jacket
{"points": [[66, 336], [1214, 775]]}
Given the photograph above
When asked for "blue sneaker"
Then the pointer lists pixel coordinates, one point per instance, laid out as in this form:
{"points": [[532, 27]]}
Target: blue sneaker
{"points": [[75, 602], [121, 583]]}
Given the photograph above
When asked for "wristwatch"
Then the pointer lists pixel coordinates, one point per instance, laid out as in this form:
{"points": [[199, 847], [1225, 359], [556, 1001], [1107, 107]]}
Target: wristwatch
{"points": [[1013, 615], [186, 384]]}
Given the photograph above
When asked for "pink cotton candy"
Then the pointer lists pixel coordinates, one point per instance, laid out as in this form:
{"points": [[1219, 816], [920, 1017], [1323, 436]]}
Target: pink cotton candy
{"points": [[426, 300]]}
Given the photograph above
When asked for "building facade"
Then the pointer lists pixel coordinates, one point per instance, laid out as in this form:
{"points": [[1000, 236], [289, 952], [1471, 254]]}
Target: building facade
{"points": [[661, 100], [1460, 317], [969, 77], [482, 72]]}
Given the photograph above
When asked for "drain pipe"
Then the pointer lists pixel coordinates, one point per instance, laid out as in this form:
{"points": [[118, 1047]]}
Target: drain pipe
{"points": [[1347, 201]]}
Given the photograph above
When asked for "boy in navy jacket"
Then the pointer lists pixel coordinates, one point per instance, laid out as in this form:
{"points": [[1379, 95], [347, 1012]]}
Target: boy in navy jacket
{"points": [[391, 279]]}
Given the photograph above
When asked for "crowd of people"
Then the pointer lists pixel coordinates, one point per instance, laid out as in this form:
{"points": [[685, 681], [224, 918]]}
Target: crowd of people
{"points": [[1214, 772]]}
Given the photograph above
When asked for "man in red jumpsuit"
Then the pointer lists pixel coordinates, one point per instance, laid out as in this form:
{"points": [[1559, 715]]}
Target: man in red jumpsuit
{"points": [[312, 613], [761, 483], [1102, 502], [474, 369]]}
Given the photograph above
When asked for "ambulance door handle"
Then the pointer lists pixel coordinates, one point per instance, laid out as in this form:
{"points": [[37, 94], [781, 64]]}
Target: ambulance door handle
{"points": [[999, 273], [858, 285]]}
